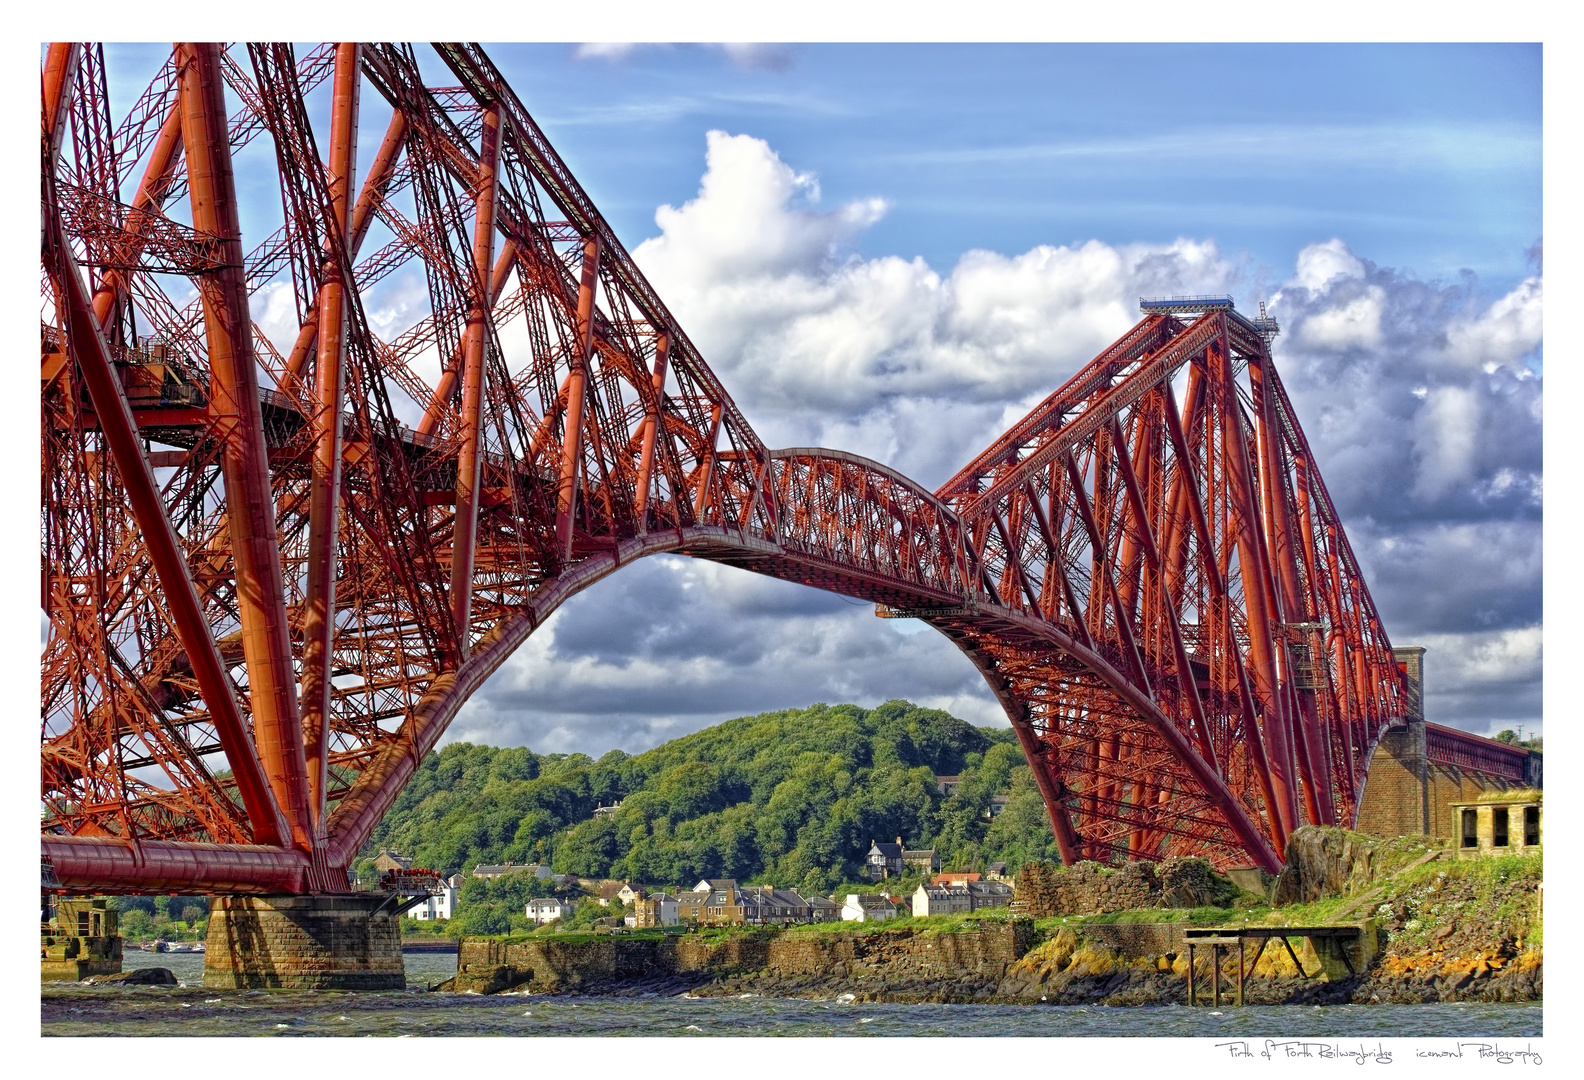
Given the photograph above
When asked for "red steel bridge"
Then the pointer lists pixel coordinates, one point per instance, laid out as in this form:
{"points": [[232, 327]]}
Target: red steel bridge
{"points": [[267, 595]]}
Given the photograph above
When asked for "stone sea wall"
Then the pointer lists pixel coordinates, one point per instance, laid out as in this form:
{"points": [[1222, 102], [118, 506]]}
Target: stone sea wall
{"points": [[546, 966]]}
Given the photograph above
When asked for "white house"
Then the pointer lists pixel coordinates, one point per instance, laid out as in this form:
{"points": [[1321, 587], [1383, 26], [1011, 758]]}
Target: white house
{"points": [[941, 900], [441, 905], [545, 909], [866, 907]]}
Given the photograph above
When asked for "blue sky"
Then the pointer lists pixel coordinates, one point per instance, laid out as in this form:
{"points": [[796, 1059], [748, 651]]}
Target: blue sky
{"points": [[1426, 156]]}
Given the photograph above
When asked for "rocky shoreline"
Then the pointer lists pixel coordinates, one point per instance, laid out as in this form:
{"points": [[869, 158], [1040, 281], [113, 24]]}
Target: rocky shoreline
{"points": [[1100, 979], [894, 966]]}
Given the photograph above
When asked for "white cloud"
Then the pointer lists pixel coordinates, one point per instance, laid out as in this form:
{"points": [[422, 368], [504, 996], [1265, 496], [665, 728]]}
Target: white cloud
{"points": [[1355, 324], [742, 54], [1321, 264], [815, 340], [1445, 433], [1419, 397], [1503, 334], [610, 51]]}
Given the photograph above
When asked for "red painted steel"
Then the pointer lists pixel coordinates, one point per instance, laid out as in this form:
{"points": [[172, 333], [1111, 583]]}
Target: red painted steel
{"points": [[297, 565]]}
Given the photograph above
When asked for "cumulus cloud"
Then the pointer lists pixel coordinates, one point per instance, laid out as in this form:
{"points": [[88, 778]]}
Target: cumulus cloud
{"points": [[1421, 400], [818, 342]]}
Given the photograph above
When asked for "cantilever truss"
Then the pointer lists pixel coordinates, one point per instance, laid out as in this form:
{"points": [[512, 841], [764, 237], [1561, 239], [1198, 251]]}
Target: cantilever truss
{"points": [[275, 567], [1219, 666]]}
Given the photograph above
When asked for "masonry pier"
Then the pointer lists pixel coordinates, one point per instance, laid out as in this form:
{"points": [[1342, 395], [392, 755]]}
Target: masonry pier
{"points": [[341, 941]]}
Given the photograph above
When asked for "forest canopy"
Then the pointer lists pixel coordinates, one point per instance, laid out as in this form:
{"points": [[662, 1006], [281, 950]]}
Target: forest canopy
{"points": [[794, 798]]}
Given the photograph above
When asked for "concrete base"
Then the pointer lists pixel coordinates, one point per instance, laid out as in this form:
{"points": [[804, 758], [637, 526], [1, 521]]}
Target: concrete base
{"points": [[325, 942], [76, 970], [66, 958]]}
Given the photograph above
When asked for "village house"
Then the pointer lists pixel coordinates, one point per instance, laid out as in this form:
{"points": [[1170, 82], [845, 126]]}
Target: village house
{"points": [[387, 860], [606, 811], [941, 900], [656, 909], [948, 785], [823, 909], [619, 892], [545, 909], [490, 872], [950, 899], [953, 877], [721, 901], [893, 860], [712, 906], [989, 894], [997, 871], [867, 907], [998, 803], [883, 860], [716, 883], [441, 905], [779, 905]]}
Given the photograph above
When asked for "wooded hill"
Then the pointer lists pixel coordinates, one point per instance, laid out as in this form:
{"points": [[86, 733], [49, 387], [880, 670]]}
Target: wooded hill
{"points": [[793, 797]]}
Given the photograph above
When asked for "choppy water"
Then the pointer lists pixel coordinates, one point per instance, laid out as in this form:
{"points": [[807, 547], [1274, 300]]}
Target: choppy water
{"points": [[189, 1009]]}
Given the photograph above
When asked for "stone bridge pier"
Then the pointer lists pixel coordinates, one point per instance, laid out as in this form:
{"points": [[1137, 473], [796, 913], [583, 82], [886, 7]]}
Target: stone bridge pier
{"points": [[338, 941]]}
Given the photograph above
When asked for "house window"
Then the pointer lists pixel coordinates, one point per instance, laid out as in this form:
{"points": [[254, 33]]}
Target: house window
{"points": [[1531, 826], [1470, 828], [1499, 827]]}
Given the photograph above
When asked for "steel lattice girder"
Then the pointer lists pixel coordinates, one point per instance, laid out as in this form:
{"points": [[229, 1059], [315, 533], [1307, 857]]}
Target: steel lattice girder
{"points": [[273, 574]]}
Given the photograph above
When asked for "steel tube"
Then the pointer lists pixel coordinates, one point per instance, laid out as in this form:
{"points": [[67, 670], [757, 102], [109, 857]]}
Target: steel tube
{"points": [[651, 427], [374, 185], [238, 424], [109, 865], [324, 494], [577, 389], [470, 455]]}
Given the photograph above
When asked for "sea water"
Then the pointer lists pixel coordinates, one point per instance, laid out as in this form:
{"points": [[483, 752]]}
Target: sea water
{"points": [[189, 1009]]}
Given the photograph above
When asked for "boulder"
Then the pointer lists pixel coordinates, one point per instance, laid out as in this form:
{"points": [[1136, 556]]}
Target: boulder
{"points": [[1319, 863], [151, 976]]}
